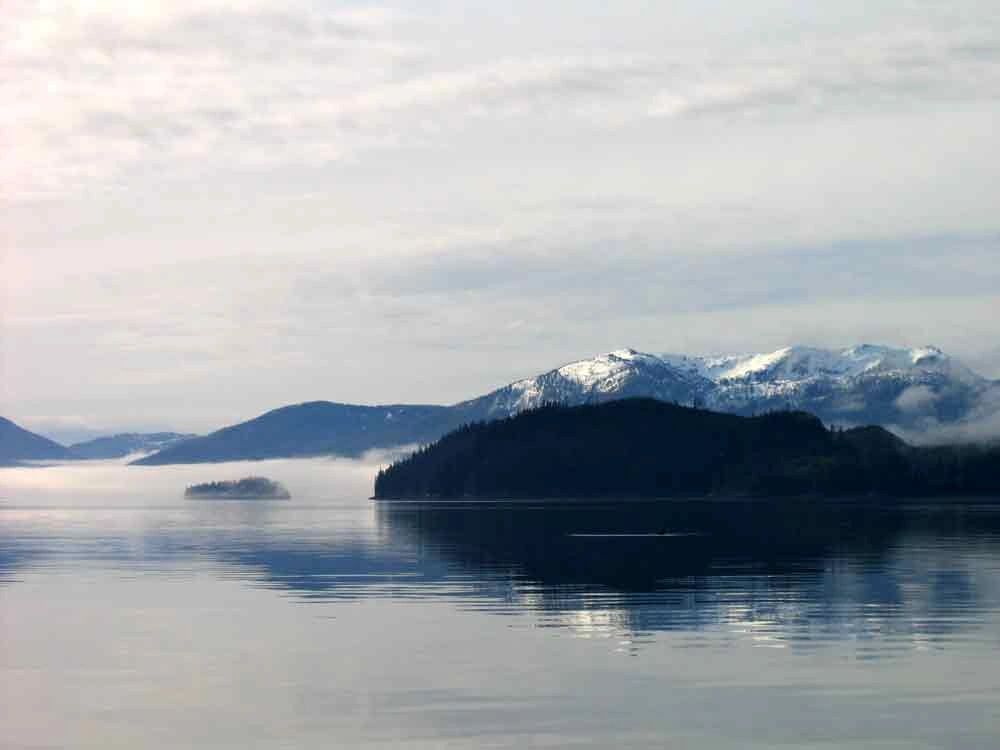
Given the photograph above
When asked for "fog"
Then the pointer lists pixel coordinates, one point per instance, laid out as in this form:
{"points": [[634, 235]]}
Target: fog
{"points": [[114, 482], [981, 425]]}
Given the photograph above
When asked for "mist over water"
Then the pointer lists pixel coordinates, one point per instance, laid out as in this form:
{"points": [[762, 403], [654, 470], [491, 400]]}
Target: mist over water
{"points": [[82, 482], [130, 617]]}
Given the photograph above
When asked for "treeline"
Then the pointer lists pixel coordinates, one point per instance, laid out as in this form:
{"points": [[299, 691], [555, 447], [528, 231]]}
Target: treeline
{"points": [[649, 448]]}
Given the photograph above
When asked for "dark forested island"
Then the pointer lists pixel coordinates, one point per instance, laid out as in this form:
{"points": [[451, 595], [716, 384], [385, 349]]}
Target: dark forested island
{"points": [[648, 448], [249, 488]]}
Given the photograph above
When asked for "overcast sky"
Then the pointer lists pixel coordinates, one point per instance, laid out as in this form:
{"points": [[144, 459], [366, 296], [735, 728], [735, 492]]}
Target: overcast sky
{"points": [[210, 209]]}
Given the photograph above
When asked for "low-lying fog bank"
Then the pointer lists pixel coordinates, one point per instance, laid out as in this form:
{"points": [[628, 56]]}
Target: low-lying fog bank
{"points": [[113, 480]]}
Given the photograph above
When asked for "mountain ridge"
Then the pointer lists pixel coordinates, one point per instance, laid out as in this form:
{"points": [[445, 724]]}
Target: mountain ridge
{"points": [[856, 385], [905, 388], [312, 428], [18, 444], [123, 444]]}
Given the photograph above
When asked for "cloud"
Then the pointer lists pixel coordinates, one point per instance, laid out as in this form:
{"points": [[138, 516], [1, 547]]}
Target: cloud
{"points": [[981, 425], [869, 72], [916, 399], [213, 208], [95, 95], [195, 344], [92, 93]]}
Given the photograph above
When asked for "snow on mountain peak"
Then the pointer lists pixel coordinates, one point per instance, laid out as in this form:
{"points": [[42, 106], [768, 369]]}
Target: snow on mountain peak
{"points": [[616, 374], [589, 372], [787, 362], [924, 353], [790, 364], [799, 363], [854, 384], [870, 357], [627, 353]]}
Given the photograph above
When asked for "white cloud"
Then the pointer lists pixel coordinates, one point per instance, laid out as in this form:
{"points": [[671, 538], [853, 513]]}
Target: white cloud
{"points": [[916, 398], [196, 344], [96, 91], [981, 425], [212, 208]]}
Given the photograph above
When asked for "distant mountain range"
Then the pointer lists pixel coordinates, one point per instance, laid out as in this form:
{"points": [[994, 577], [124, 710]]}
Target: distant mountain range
{"points": [[910, 390], [18, 444], [316, 428], [126, 444]]}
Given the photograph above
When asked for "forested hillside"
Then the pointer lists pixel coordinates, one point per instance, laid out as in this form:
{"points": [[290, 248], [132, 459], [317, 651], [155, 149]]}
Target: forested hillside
{"points": [[648, 448]]}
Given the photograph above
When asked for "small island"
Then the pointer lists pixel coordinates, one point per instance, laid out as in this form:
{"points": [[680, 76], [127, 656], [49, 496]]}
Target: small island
{"points": [[248, 488]]}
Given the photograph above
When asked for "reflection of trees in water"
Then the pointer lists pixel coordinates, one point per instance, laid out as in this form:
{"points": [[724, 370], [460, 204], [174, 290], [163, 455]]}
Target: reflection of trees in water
{"points": [[788, 571]]}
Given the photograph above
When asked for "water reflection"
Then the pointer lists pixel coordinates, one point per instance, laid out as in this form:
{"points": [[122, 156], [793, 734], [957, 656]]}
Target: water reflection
{"points": [[778, 574], [774, 573], [131, 617]]}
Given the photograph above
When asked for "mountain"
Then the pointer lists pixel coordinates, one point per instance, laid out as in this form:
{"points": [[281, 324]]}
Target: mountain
{"points": [[860, 385], [906, 389], [315, 428], [127, 443], [649, 448], [18, 444], [621, 374]]}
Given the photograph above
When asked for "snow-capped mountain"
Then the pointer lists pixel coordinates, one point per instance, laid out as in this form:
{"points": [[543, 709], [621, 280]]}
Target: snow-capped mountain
{"points": [[917, 391], [798, 363], [619, 374], [861, 384]]}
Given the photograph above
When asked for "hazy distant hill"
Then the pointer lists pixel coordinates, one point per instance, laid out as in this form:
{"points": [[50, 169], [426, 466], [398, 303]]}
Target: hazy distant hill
{"points": [[912, 389], [648, 448], [18, 444], [312, 429], [127, 443]]}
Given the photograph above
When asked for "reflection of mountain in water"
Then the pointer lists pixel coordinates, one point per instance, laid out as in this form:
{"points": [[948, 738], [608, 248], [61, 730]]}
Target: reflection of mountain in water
{"points": [[347, 571]]}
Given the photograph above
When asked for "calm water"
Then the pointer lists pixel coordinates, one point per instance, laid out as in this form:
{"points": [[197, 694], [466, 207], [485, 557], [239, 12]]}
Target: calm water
{"points": [[130, 617]]}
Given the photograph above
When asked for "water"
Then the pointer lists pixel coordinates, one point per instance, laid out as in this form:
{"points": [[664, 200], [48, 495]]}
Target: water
{"points": [[130, 617]]}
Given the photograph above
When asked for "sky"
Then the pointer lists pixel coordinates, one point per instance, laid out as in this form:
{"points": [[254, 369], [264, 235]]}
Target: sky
{"points": [[210, 209]]}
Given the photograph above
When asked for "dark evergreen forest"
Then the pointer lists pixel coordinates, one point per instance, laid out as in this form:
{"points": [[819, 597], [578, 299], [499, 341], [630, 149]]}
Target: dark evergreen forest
{"points": [[649, 448]]}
